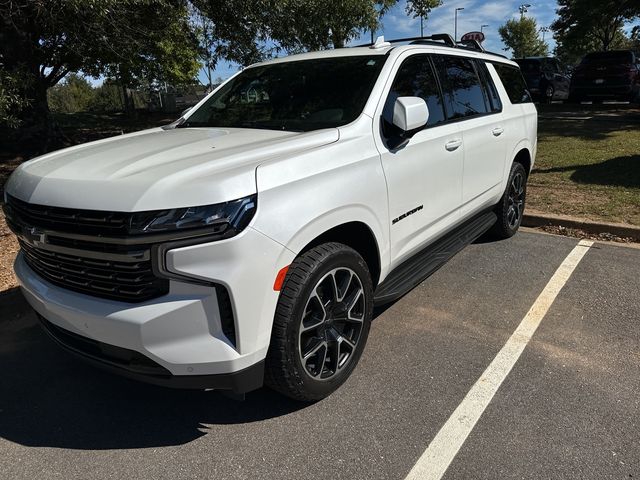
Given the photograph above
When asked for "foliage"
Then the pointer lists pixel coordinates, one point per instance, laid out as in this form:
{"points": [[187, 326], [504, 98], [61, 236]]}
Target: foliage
{"points": [[42, 41], [72, 95], [11, 101], [422, 8], [571, 51], [521, 36], [588, 25], [107, 98]]}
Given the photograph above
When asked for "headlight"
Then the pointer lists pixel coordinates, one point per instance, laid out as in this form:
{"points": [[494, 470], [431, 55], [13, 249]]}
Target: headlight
{"points": [[227, 219]]}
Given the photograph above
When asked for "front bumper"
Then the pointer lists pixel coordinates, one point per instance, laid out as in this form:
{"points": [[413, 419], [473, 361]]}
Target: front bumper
{"points": [[130, 364], [180, 332]]}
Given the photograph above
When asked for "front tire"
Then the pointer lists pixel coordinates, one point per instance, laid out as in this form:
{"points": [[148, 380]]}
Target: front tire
{"points": [[321, 323], [510, 209]]}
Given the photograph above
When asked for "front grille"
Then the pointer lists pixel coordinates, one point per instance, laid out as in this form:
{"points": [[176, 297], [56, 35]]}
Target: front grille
{"points": [[116, 280], [69, 220], [85, 251]]}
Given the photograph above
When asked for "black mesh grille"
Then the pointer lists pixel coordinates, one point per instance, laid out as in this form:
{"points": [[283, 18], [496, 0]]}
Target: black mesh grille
{"points": [[123, 281]]}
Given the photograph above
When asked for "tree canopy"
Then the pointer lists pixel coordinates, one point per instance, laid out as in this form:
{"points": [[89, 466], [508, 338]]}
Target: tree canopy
{"points": [[155, 41], [521, 36], [598, 22], [585, 26]]}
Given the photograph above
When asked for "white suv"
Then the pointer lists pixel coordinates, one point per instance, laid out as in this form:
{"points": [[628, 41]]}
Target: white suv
{"points": [[249, 241]]}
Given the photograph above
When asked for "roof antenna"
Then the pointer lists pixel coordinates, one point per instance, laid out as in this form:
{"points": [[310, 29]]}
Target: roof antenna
{"points": [[380, 43]]}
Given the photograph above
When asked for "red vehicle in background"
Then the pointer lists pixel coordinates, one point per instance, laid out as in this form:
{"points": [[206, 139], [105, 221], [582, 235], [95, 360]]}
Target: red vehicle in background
{"points": [[613, 75]]}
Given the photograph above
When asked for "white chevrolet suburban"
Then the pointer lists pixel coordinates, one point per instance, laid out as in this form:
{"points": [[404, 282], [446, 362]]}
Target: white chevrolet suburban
{"points": [[249, 241]]}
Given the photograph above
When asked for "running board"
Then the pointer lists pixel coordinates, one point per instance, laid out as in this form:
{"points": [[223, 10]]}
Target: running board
{"points": [[406, 276]]}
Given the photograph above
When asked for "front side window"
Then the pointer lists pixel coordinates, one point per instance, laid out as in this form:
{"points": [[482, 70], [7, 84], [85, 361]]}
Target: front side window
{"points": [[513, 82], [299, 95], [463, 93], [416, 78]]}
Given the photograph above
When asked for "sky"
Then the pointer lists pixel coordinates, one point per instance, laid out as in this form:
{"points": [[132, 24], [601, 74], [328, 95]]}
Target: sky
{"points": [[396, 23]]}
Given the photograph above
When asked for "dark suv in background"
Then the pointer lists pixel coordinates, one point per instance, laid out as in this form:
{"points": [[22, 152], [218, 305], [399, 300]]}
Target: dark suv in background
{"points": [[613, 75], [545, 78]]}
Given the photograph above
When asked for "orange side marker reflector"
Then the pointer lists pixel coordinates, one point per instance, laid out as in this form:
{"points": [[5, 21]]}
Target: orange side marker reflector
{"points": [[277, 285]]}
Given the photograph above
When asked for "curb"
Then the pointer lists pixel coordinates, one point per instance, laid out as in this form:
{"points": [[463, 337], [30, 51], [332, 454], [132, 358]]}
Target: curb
{"points": [[539, 219]]}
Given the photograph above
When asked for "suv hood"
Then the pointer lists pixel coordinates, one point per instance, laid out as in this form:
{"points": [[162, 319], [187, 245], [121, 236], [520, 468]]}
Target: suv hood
{"points": [[157, 169]]}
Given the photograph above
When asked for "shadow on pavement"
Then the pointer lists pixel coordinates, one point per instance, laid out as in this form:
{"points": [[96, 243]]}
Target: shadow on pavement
{"points": [[49, 398]]}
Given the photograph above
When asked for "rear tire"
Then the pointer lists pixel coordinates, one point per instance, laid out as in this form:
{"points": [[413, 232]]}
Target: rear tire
{"points": [[321, 323], [510, 209]]}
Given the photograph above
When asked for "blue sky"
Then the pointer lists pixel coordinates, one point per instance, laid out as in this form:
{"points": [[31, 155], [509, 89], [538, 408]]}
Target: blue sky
{"points": [[396, 24]]}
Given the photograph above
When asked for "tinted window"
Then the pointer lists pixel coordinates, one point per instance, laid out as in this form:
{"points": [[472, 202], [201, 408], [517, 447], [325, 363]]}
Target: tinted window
{"points": [[609, 57], [463, 93], [301, 95], [513, 82], [490, 87], [415, 78], [527, 66]]}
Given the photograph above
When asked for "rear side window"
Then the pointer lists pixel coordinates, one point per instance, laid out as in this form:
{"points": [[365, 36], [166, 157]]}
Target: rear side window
{"points": [[490, 88], [461, 87], [513, 82], [415, 78]]}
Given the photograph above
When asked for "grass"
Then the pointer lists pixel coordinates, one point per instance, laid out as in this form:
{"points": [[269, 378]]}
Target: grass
{"points": [[588, 165]]}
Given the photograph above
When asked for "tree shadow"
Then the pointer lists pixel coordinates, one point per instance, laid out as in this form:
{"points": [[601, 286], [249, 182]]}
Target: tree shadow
{"points": [[52, 399], [586, 122], [616, 172]]}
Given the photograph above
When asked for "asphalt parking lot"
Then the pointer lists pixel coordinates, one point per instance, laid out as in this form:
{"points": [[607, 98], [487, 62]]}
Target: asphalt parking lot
{"points": [[569, 408]]}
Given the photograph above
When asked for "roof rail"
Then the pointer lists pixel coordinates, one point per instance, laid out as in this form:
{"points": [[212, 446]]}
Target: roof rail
{"points": [[440, 39]]}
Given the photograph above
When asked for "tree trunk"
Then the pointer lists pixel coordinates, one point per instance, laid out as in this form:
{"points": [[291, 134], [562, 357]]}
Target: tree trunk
{"points": [[38, 133]]}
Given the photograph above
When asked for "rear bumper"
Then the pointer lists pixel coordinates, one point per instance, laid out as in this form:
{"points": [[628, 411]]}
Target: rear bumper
{"points": [[131, 364], [603, 92]]}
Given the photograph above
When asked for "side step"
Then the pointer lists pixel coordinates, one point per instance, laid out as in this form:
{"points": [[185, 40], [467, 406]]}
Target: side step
{"points": [[411, 272]]}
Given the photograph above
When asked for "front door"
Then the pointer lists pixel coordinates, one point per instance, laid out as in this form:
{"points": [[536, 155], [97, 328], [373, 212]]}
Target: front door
{"points": [[424, 177]]}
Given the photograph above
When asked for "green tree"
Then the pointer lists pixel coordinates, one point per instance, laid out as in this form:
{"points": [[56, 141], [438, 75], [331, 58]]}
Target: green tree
{"points": [[107, 97], [422, 8], [73, 94], [588, 25], [11, 100], [571, 50], [42, 41], [521, 36]]}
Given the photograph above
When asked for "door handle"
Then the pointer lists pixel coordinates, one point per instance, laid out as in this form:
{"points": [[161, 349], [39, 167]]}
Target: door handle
{"points": [[497, 131], [453, 144]]}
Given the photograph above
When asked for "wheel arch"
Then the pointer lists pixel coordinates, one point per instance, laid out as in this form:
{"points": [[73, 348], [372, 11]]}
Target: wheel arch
{"points": [[358, 236], [523, 157]]}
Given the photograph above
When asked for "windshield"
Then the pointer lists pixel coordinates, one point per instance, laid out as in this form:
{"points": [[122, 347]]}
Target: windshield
{"points": [[299, 96]]}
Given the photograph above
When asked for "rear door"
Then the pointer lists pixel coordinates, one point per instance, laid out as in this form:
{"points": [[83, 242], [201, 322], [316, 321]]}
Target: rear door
{"points": [[468, 103]]}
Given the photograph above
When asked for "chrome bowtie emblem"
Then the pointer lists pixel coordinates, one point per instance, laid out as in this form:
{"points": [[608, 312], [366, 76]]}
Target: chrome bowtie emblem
{"points": [[34, 235]]}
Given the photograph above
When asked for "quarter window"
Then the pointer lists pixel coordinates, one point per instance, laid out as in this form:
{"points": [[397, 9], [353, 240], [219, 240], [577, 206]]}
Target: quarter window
{"points": [[513, 82], [461, 88]]}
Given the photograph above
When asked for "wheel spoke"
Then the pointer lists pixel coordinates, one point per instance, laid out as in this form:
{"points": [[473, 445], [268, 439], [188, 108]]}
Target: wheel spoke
{"points": [[334, 362], [332, 323], [352, 304]]}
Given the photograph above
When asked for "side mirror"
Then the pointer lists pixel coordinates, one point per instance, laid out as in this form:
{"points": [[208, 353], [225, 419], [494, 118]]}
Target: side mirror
{"points": [[409, 114]]}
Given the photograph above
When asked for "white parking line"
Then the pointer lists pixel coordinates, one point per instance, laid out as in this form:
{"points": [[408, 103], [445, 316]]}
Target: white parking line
{"points": [[444, 447]]}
